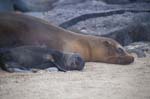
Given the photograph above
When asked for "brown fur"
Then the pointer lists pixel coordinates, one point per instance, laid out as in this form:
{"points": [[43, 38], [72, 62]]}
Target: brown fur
{"points": [[18, 29]]}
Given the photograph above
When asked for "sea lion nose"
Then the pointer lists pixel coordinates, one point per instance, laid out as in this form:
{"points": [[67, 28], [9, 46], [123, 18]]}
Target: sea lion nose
{"points": [[126, 60], [76, 62], [131, 59], [79, 62]]}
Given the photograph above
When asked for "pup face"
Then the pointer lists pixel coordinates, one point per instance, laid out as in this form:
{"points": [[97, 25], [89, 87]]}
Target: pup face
{"points": [[69, 61]]}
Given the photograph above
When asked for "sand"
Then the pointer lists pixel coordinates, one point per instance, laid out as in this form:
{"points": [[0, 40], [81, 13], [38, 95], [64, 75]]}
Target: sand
{"points": [[96, 81]]}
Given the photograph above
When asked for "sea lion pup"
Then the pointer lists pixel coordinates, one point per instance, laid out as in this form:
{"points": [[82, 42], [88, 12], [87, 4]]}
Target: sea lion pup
{"points": [[19, 29], [27, 58]]}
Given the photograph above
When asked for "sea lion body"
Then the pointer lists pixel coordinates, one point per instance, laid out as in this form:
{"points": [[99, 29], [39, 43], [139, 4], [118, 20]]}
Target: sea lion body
{"points": [[26, 58], [19, 29]]}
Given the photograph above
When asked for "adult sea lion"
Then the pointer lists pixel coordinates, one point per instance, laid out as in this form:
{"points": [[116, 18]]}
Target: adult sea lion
{"points": [[26, 58], [19, 29]]}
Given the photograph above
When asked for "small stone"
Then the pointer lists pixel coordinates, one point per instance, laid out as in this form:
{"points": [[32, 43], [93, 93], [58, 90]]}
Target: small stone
{"points": [[52, 69]]}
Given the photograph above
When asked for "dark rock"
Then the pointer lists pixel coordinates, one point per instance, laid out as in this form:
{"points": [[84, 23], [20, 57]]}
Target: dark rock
{"points": [[118, 1], [34, 5], [123, 1], [6, 5], [42, 5], [131, 33]]}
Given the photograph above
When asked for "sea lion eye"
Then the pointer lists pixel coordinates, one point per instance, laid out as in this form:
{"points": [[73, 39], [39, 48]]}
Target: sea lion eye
{"points": [[120, 51], [107, 43]]}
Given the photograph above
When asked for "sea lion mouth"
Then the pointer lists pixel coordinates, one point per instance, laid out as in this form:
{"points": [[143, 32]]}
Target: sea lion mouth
{"points": [[123, 60]]}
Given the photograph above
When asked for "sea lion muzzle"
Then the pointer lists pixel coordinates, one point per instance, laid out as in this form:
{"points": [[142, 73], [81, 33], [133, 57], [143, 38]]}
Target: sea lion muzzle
{"points": [[73, 61]]}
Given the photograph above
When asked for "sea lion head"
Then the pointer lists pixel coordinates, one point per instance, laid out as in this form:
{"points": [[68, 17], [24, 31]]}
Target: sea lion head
{"points": [[115, 53], [69, 61], [110, 51]]}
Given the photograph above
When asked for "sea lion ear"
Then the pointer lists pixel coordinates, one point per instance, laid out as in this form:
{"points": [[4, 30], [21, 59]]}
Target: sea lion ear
{"points": [[106, 43]]}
